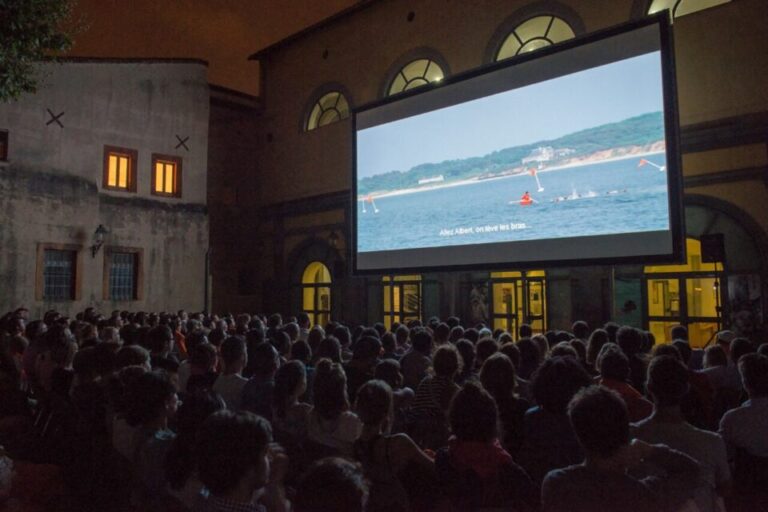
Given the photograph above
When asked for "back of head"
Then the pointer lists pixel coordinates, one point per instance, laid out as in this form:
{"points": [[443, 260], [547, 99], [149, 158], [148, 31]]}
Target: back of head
{"points": [[498, 377], [612, 363], [457, 333], [597, 339], [472, 335], [374, 402], [388, 370], [556, 381], [341, 332], [510, 350], [147, 396], [233, 350], [300, 351], [332, 484], [159, 338], [203, 357], [741, 347], [525, 331], [630, 340], [679, 332], [329, 389], [473, 414], [229, 445], [564, 349], [580, 329], [600, 420], [329, 348], [715, 355], [667, 380], [287, 381], [611, 328], [265, 359], [422, 342], [667, 350], [529, 353], [441, 332], [446, 361], [194, 411], [684, 349], [467, 351], [754, 374], [401, 334], [366, 349], [485, 348], [132, 355]]}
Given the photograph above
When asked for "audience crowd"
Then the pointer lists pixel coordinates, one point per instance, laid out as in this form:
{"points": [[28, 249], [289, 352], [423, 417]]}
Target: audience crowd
{"points": [[238, 413]]}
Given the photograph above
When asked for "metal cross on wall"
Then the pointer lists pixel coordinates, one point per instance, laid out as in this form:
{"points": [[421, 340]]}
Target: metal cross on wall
{"points": [[182, 142], [54, 118]]}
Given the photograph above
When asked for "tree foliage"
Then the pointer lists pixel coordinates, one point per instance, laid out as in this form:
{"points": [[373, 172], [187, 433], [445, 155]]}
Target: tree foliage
{"points": [[30, 31]]}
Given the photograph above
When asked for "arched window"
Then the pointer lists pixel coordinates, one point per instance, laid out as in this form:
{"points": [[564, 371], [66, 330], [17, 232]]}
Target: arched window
{"points": [[682, 7], [415, 74], [331, 107], [316, 293], [535, 33], [518, 298], [402, 299], [689, 294]]}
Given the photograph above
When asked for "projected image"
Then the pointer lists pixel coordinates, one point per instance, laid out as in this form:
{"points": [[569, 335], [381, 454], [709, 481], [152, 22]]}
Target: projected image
{"points": [[579, 155]]}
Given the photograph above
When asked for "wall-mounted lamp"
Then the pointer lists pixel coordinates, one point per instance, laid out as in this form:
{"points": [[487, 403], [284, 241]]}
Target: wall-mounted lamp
{"points": [[98, 239], [333, 239]]}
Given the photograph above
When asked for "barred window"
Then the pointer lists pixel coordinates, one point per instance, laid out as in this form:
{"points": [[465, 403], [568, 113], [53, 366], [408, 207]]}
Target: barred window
{"points": [[415, 74], [59, 274], [330, 108], [535, 33], [682, 7], [122, 276]]}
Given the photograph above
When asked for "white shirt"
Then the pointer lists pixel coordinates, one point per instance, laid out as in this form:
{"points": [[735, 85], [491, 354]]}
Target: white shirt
{"points": [[340, 433], [230, 387], [746, 427]]}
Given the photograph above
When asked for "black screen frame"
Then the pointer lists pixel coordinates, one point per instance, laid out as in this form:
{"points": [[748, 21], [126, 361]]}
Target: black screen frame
{"points": [[674, 161]]}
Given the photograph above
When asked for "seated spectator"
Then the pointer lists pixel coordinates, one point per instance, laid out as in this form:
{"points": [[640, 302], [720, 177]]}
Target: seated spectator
{"points": [[601, 482], [290, 415], [484, 349], [548, 438], [597, 339], [235, 460], [668, 384], [726, 386], [332, 484], [746, 428], [475, 471], [416, 362], [467, 352], [631, 342], [257, 395], [614, 374], [133, 355], [427, 419], [697, 404], [389, 347], [193, 339], [360, 369], [160, 344], [580, 330], [327, 348], [331, 424], [530, 356], [498, 378], [231, 382], [341, 333], [181, 472], [385, 456], [202, 368], [388, 370]]}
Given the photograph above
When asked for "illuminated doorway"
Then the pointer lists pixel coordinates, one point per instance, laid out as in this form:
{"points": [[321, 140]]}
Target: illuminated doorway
{"points": [[689, 294], [402, 299], [316, 293], [518, 298]]}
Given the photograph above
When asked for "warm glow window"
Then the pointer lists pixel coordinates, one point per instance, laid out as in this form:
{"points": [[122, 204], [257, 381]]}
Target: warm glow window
{"points": [[330, 108], [415, 74], [519, 298], [689, 294], [682, 7], [119, 169], [166, 175], [316, 293], [402, 299], [533, 34]]}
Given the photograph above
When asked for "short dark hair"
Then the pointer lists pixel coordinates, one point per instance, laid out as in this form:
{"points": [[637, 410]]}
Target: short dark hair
{"points": [[446, 361], [159, 338], [374, 401], [366, 347], [228, 445], [629, 339], [510, 350], [467, 351], [580, 329], [485, 348], [287, 380], [264, 358], [132, 355], [679, 332], [715, 355], [667, 380], [473, 414], [300, 351], [600, 420], [232, 349], [203, 356], [329, 484], [754, 374], [741, 347], [612, 363], [498, 378], [564, 349], [684, 348], [525, 331], [422, 341], [329, 389], [146, 396], [388, 370], [442, 331], [667, 350], [556, 381]]}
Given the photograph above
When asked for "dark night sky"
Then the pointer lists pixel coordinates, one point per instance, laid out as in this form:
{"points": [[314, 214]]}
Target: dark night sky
{"points": [[222, 32]]}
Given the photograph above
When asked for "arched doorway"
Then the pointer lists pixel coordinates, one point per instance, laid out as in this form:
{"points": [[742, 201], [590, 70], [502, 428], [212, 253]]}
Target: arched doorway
{"points": [[316, 293]]}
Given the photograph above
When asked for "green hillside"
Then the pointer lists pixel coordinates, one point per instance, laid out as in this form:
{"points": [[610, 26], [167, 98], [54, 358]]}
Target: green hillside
{"points": [[635, 131]]}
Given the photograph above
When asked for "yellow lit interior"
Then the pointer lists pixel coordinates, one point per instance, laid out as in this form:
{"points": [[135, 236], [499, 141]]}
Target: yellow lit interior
{"points": [[165, 177], [316, 300], [117, 171]]}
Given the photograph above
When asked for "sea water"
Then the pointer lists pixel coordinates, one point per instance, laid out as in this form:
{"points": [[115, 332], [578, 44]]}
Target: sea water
{"points": [[594, 199]]}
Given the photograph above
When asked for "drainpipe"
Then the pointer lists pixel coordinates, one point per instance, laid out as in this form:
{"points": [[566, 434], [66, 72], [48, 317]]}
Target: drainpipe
{"points": [[206, 288]]}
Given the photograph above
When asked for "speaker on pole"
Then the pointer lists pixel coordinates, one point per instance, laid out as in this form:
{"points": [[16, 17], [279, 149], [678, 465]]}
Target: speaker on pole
{"points": [[712, 248]]}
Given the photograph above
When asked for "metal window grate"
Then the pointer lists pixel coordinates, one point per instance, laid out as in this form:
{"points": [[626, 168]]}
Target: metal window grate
{"points": [[59, 275], [122, 276]]}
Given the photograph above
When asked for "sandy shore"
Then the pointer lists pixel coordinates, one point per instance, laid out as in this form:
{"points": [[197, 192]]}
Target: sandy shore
{"points": [[471, 181]]}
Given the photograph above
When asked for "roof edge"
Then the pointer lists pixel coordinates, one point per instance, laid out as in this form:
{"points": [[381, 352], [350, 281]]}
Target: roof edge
{"points": [[128, 60], [352, 9]]}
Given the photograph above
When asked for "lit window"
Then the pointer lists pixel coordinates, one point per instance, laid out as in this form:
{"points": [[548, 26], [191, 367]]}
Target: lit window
{"points": [[682, 7], [316, 293], [533, 34], [519, 298], [415, 74], [123, 270], [59, 268], [119, 169], [402, 299], [3, 146], [331, 107], [166, 175]]}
